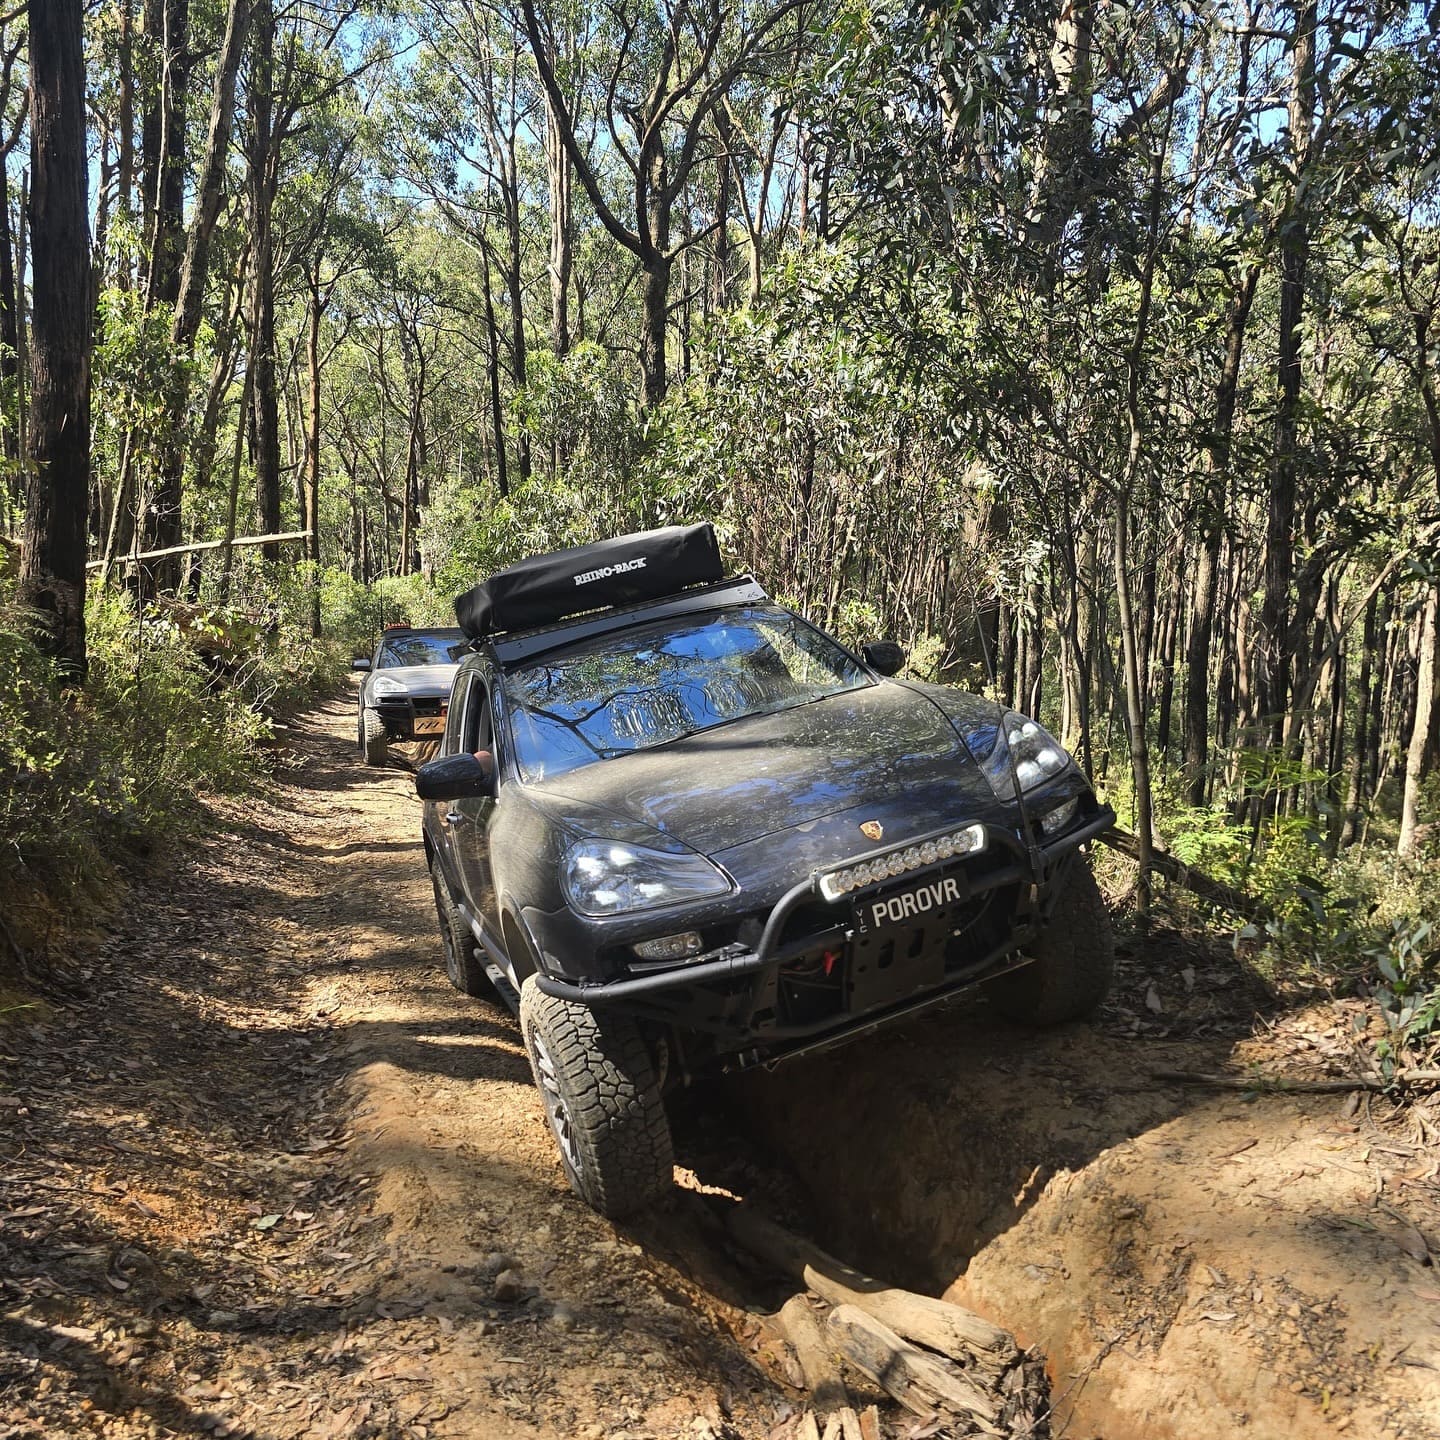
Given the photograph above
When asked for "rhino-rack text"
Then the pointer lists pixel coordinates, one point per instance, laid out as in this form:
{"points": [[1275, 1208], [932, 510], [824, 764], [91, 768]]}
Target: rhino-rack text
{"points": [[637, 564]]}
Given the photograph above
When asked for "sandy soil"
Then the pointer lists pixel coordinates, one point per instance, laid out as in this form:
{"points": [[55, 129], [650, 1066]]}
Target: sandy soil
{"points": [[270, 1176], [1193, 1262]]}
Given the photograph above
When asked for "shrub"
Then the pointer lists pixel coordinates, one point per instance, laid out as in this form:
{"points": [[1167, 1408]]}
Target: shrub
{"points": [[177, 705]]}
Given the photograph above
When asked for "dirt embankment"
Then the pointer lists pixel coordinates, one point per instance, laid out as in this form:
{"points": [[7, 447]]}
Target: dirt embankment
{"points": [[270, 1176]]}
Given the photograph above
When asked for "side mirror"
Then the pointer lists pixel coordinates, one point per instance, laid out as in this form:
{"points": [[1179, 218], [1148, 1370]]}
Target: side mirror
{"points": [[454, 777], [884, 657], [360, 662]]}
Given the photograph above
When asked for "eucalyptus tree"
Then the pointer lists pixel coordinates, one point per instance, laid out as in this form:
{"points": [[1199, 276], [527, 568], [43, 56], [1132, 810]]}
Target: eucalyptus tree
{"points": [[14, 107], [57, 490], [479, 145], [664, 73]]}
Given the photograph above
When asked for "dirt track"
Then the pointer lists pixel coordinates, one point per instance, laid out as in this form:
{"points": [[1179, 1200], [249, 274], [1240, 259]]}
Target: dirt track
{"points": [[270, 1176]]}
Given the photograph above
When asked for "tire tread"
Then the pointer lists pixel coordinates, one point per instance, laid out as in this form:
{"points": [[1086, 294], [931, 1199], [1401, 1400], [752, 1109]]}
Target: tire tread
{"points": [[1074, 959], [610, 1086]]}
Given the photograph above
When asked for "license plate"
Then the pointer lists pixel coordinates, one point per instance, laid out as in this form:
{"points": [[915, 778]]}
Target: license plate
{"points": [[918, 904], [431, 725]]}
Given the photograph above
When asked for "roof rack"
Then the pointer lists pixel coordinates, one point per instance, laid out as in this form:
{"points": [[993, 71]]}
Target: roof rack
{"points": [[513, 647]]}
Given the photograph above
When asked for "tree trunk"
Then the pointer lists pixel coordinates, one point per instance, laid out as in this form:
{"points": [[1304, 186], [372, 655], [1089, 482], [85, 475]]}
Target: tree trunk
{"points": [[492, 365], [1129, 631], [718, 300], [9, 319], [194, 268], [163, 153], [262, 359], [558, 165], [1415, 753], [1277, 641], [1354, 789], [125, 163], [515, 286], [57, 487], [312, 454], [1196, 718], [654, 301], [163, 146]]}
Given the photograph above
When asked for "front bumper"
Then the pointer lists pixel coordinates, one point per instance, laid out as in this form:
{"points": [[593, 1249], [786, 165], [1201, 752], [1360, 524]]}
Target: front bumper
{"points": [[749, 996], [412, 717]]}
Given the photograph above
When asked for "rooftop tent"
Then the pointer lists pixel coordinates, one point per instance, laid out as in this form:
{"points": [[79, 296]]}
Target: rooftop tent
{"points": [[623, 571]]}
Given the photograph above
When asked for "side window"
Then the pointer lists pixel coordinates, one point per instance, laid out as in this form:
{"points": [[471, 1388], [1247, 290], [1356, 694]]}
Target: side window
{"points": [[455, 720], [478, 729]]}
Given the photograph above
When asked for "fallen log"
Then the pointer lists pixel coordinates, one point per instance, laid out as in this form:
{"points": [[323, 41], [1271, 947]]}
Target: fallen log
{"points": [[196, 545], [1205, 887], [799, 1324], [923, 1383], [956, 1332]]}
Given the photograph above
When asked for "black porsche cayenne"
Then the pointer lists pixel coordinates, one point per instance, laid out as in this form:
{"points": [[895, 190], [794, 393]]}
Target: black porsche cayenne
{"points": [[680, 829]]}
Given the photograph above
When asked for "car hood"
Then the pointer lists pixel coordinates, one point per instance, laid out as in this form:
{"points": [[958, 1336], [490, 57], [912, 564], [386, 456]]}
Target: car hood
{"points": [[419, 679], [813, 773]]}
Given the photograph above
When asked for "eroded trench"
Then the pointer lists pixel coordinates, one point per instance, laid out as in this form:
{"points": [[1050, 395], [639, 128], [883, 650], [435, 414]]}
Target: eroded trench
{"points": [[907, 1153]]}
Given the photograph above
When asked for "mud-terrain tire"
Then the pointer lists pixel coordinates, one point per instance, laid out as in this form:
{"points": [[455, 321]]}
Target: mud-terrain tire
{"points": [[602, 1099], [372, 738], [462, 967], [1074, 959]]}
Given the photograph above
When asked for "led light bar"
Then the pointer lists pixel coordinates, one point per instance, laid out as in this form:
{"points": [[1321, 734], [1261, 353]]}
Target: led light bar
{"points": [[900, 860]]}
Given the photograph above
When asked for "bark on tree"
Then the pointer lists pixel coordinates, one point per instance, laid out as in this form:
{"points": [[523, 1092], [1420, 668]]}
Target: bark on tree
{"points": [[192, 277], [167, 25], [1420, 730], [558, 167], [1129, 631], [52, 570], [1196, 718], [1276, 639], [683, 94], [262, 196], [195, 268]]}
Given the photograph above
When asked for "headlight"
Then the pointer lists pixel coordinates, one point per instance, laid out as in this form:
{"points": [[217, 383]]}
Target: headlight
{"points": [[386, 685], [604, 877], [1034, 752]]}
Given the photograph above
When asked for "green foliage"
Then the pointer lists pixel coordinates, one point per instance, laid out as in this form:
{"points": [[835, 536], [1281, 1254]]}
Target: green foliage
{"points": [[581, 410], [176, 706], [1408, 995]]}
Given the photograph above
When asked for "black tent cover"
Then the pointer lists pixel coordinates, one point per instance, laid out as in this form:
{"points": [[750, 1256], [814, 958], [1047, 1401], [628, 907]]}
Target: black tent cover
{"points": [[623, 571]]}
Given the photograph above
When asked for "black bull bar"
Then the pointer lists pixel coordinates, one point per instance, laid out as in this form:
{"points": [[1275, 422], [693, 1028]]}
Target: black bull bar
{"points": [[1035, 866]]}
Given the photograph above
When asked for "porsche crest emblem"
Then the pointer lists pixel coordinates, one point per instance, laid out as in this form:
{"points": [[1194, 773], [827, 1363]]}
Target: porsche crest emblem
{"points": [[872, 829]]}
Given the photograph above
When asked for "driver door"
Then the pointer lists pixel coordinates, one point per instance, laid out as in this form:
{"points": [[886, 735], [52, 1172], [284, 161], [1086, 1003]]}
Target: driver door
{"points": [[468, 820]]}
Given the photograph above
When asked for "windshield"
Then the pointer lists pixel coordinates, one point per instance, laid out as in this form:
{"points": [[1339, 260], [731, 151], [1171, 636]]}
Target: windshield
{"points": [[659, 682], [430, 648]]}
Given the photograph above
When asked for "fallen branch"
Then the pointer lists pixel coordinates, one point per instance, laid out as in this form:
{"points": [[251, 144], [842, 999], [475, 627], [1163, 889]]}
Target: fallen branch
{"points": [[937, 1324], [923, 1383], [201, 545], [1215, 892], [843, 1425], [1280, 1084], [802, 1328]]}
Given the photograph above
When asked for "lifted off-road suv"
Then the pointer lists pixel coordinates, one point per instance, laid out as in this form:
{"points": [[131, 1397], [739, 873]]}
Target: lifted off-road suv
{"points": [[682, 830]]}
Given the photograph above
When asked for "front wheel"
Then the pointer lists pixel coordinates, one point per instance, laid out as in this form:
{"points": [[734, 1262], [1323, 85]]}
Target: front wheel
{"points": [[372, 738], [1074, 959], [602, 1099]]}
